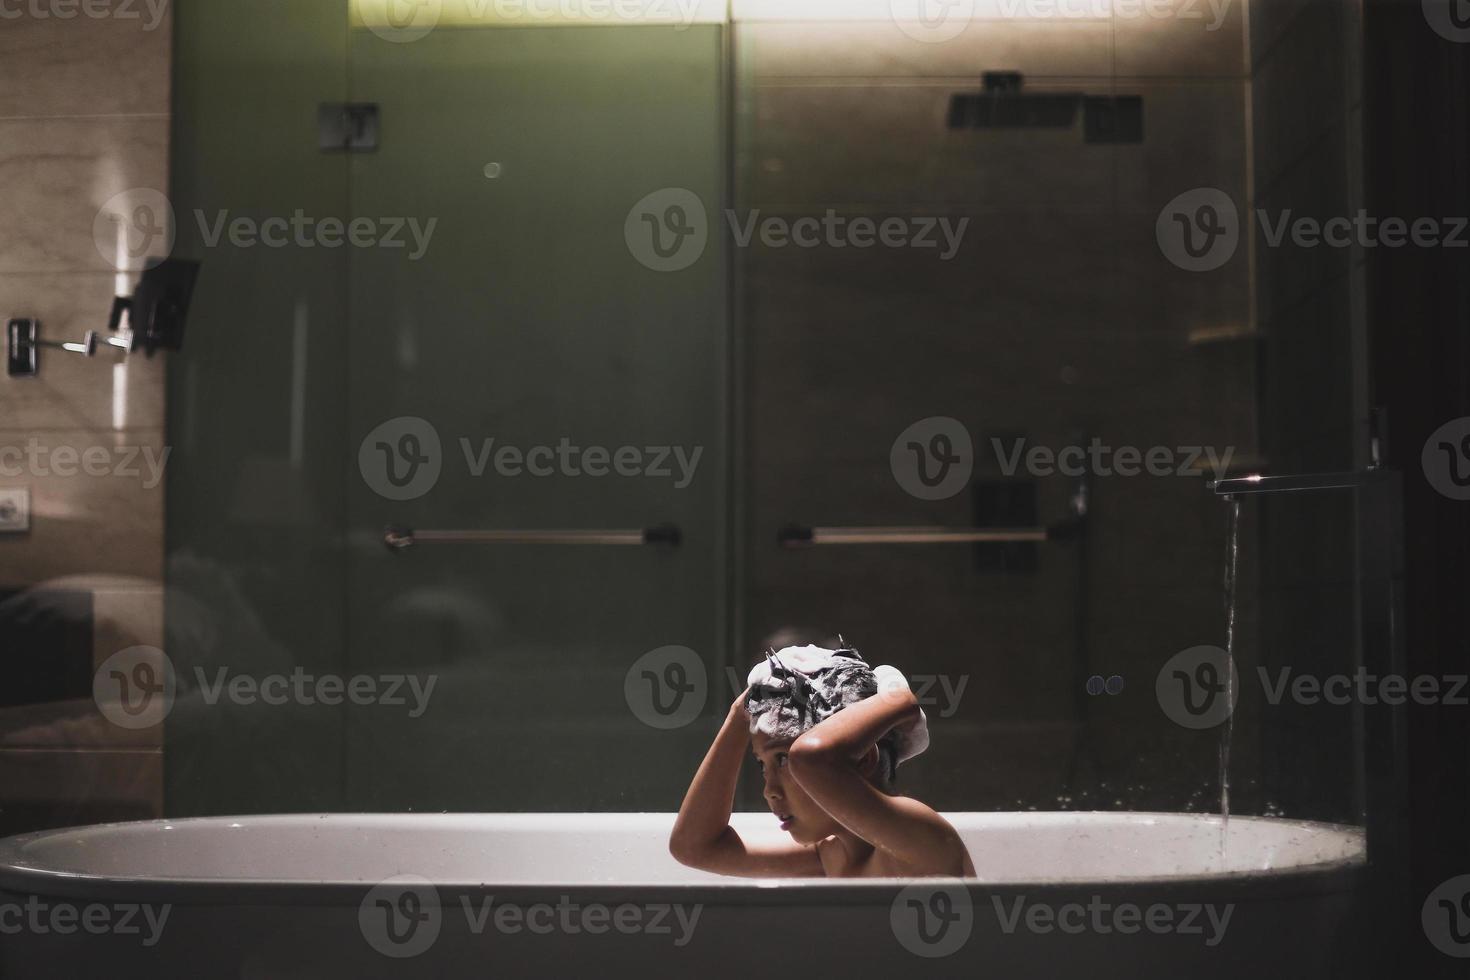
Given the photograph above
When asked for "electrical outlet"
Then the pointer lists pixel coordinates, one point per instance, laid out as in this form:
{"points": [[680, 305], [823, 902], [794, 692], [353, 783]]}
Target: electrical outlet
{"points": [[15, 510]]}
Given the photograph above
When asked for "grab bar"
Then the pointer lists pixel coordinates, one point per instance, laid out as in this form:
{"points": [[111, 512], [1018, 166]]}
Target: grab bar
{"points": [[798, 535], [397, 538], [1069, 527]]}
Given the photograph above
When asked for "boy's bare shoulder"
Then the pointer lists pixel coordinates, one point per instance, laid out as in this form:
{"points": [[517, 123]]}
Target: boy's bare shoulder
{"points": [[931, 821], [920, 811]]}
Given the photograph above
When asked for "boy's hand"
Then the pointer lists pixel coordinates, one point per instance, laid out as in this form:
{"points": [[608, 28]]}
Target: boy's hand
{"points": [[891, 683], [737, 719]]}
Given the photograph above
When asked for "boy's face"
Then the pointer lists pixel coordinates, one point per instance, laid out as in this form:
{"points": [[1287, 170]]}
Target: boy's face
{"points": [[800, 816]]}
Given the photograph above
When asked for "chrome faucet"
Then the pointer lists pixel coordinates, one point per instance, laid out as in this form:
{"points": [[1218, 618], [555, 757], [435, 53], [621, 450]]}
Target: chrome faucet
{"points": [[1257, 483]]}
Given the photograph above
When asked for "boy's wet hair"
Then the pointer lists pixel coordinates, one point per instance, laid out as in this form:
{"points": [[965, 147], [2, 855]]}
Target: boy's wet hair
{"points": [[788, 698]]}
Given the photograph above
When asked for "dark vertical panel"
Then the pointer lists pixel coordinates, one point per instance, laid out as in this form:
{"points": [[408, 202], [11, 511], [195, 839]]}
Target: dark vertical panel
{"points": [[1417, 140]]}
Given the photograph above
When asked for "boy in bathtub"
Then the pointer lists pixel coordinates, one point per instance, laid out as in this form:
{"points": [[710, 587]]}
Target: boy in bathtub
{"points": [[828, 732]]}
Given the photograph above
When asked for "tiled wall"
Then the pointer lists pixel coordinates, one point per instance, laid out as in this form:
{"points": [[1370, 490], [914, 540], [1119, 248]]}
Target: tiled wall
{"points": [[1059, 316], [84, 116]]}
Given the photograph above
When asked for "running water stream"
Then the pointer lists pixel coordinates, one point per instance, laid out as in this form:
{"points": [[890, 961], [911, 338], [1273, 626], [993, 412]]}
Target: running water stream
{"points": [[1232, 554]]}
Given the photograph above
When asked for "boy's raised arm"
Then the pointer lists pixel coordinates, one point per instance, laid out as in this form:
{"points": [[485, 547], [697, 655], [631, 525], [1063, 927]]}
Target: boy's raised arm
{"points": [[702, 836], [826, 761]]}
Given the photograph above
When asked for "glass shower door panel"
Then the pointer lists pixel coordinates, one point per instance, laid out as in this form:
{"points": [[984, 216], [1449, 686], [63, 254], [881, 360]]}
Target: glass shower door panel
{"points": [[256, 409], [1040, 313], [515, 367]]}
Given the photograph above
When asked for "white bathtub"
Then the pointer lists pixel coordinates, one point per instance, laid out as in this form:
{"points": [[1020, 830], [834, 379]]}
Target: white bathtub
{"points": [[1132, 895]]}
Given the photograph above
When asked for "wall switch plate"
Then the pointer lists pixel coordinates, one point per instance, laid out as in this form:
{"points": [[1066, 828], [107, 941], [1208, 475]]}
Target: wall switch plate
{"points": [[20, 348], [347, 126], [1113, 119], [15, 510]]}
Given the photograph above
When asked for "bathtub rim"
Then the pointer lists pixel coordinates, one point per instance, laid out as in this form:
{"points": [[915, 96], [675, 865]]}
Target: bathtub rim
{"points": [[1325, 877]]}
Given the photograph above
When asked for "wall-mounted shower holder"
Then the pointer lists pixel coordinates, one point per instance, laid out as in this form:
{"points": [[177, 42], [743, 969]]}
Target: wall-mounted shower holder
{"points": [[23, 344], [155, 314]]}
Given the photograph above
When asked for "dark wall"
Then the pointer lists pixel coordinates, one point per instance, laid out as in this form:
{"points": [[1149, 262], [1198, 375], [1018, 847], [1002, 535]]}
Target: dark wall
{"points": [[1417, 141], [1306, 99]]}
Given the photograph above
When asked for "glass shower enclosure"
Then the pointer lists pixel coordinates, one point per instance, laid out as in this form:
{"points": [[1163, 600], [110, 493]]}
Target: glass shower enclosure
{"points": [[546, 368]]}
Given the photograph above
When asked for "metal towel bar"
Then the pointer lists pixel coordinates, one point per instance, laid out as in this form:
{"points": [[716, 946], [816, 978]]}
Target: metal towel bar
{"points": [[1069, 527], [797, 535], [398, 538]]}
